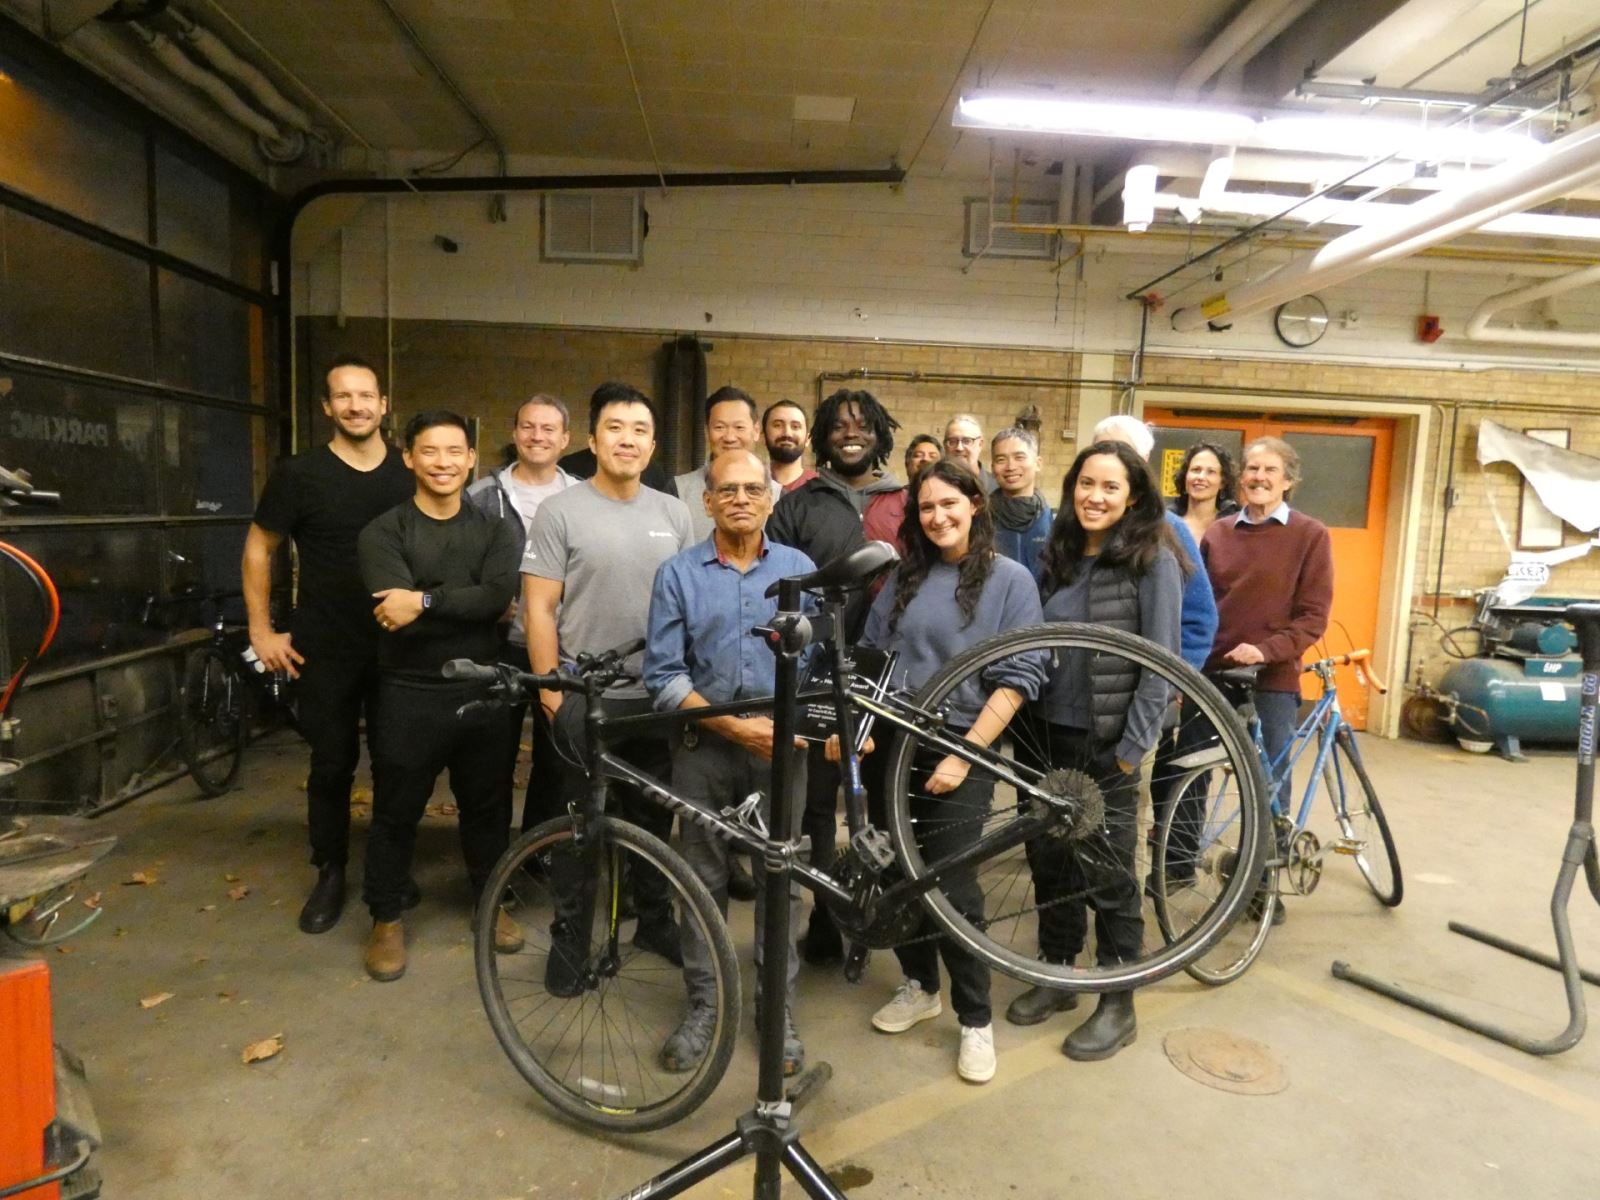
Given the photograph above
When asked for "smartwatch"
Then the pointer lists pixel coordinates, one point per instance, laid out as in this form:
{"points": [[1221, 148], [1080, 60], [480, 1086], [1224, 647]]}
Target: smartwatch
{"points": [[427, 601]]}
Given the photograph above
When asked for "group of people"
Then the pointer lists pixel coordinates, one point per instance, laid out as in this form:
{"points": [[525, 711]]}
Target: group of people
{"points": [[404, 566]]}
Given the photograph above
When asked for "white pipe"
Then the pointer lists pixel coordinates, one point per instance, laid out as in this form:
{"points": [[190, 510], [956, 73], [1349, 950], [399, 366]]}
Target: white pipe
{"points": [[1235, 36], [215, 51], [1566, 165], [1323, 211], [1230, 76], [1479, 330]]}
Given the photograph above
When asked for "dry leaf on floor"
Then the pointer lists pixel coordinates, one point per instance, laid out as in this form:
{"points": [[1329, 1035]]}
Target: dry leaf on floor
{"points": [[140, 879], [238, 893], [120, 932], [208, 908], [266, 1048], [66, 950], [230, 879], [360, 795], [227, 996], [92, 901], [158, 998]]}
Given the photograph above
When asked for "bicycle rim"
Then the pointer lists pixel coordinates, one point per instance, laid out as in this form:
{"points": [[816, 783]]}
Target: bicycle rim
{"points": [[1092, 851], [582, 1013], [212, 721], [1362, 821]]}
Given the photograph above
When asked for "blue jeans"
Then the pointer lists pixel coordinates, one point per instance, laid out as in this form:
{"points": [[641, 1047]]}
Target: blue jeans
{"points": [[1279, 713]]}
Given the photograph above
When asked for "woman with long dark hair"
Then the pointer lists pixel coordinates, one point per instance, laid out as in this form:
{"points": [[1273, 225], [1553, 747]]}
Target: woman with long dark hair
{"points": [[1113, 560], [1208, 487], [951, 591]]}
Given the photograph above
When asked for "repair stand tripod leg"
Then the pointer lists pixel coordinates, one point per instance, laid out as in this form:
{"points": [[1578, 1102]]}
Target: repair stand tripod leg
{"points": [[1579, 853], [767, 1130]]}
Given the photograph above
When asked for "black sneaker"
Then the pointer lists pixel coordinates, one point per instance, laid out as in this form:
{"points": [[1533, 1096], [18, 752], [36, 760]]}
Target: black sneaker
{"points": [[568, 963], [660, 937]]}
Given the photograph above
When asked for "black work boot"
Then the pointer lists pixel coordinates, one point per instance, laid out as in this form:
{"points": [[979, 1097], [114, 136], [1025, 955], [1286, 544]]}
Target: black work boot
{"points": [[822, 945], [326, 902], [1039, 1004], [1108, 1029]]}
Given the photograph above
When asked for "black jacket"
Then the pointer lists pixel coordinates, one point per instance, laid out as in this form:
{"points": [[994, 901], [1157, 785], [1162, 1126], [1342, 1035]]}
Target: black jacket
{"points": [[820, 519]]}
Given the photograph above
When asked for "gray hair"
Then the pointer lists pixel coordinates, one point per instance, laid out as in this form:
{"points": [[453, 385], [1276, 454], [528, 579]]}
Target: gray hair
{"points": [[1289, 455], [1015, 433], [1120, 427], [547, 401], [964, 416]]}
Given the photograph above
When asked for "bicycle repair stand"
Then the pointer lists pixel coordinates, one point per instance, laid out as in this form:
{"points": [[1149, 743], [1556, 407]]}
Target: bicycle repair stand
{"points": [[767, 1131], [1580, 851]]}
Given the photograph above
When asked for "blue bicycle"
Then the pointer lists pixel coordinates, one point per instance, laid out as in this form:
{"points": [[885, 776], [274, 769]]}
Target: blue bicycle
{"points": [[1197, 850]]}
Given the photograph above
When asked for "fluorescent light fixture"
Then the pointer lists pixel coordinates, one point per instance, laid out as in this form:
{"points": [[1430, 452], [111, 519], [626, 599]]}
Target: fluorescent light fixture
{"points": [[1139, 197], [1146, 122]]}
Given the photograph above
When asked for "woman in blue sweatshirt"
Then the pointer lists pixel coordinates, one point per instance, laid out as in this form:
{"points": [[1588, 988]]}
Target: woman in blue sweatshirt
{"points": [[951, 591], [1112, 560]]}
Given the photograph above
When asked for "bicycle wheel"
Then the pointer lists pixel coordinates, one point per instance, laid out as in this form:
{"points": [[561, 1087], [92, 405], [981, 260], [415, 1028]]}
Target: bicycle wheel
{"points": [[1195, 859], [1365, 829], [213, 720], [581, 1012], [1082, 821]]}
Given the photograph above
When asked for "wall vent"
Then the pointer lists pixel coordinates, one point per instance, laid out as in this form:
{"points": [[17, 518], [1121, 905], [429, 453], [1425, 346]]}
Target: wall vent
{"points": [[1009, 243], [594, 227]]}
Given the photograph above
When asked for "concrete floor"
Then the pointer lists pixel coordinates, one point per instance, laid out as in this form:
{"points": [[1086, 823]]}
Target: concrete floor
{"points": [[386, 1090]]}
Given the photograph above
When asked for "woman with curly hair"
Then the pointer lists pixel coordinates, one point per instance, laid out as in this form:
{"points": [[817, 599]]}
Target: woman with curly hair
{"points": [[1208, 487], [951, 591], [1112, 560]]}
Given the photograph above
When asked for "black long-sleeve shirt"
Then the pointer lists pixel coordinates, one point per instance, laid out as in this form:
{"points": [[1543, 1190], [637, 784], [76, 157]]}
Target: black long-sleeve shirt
{"points": [[468, 564]]}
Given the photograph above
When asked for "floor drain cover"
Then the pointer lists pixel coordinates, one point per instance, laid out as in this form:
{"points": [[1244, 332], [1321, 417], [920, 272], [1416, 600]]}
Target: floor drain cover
{"points": [[1225, 1061]]}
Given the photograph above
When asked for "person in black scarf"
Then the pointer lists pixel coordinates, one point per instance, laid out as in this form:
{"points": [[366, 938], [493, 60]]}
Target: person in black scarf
{"points": [[1021, 515]]}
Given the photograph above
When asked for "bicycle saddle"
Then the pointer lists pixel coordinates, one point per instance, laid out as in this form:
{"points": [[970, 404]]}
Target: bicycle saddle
{"points": [[1236, 683], [852, 570]]}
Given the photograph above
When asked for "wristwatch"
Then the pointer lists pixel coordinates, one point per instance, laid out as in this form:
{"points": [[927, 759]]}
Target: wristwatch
{"points": [[427, 601]]}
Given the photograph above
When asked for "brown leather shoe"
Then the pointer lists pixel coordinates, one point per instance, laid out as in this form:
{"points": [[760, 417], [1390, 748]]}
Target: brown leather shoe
{"points": [[508, 937], [385, 958]]}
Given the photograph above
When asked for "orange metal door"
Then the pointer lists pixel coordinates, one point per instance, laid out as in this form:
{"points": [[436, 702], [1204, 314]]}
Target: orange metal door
{"points": [[1345, 466]]}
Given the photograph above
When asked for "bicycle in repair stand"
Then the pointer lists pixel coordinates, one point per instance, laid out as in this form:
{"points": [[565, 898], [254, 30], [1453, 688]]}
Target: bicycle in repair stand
{"points": [[582, 1012]]}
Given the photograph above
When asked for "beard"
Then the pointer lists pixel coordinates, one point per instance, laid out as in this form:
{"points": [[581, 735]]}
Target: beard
{"points": [[785, 454]]}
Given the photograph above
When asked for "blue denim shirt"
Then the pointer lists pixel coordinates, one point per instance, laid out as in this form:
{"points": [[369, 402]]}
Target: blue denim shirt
{"points": [[701, 612]]}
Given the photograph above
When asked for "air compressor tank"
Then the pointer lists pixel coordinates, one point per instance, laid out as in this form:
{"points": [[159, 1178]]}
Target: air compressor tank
{"points": [[1502, 702]]}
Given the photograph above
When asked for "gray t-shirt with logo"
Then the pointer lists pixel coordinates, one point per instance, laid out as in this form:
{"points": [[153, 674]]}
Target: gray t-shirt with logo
{"points": [[605, 553]]}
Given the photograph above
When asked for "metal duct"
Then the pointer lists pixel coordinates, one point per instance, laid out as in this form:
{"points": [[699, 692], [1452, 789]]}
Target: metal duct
{"points": [[1479, 329], [219, 55]]}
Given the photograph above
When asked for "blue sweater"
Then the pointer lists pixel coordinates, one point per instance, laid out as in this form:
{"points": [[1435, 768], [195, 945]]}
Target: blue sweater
{"points": [[1199, 627], [1026, 545]]}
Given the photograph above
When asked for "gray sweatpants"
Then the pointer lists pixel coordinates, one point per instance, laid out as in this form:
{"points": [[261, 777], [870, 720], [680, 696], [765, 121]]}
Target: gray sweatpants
{"points": [[722, 774]]}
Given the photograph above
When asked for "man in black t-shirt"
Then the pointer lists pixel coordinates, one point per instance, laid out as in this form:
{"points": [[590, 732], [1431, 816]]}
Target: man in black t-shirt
{"points": [[443, 573], [321, 500]]}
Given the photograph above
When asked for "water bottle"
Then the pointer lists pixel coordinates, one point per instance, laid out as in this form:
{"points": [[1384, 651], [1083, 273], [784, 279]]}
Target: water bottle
{"points": [[253, 660]]}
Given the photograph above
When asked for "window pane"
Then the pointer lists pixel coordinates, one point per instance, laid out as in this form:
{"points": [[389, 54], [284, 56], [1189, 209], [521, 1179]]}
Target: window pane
{"points": [[207, 338], [70, 301], [1336, 474], [71, 153], [208, 460], [94, 445], [1171, 444], [103, 577], [192, 217]]}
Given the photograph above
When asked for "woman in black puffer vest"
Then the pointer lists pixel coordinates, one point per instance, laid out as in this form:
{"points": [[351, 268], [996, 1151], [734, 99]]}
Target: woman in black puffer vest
{"points": [[1111, 560]]}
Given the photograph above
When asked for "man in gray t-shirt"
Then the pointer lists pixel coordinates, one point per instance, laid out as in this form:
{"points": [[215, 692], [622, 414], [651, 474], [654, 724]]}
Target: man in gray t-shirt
{"points": [[587, 569]]}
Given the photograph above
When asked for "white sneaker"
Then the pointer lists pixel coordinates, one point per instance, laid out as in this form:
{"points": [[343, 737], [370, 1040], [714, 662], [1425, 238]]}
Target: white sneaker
{"points": [[975, 1063], [909, 1006]]}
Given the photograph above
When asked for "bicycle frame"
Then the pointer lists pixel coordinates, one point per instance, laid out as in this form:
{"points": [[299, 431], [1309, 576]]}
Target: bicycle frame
{"points": [[1322, 724]]}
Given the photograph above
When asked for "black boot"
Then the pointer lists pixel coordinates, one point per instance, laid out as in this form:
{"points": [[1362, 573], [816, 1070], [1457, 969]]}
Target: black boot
{"points": [[1039, 1004], [822, 946], [326, 902], [1108, 1029]]}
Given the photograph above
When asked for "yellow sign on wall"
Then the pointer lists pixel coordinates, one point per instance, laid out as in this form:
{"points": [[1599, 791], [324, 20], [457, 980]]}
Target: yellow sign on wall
{"points": [[1171, 460]]}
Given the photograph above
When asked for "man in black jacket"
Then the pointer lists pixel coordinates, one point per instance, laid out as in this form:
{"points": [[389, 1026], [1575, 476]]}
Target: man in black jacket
{"points": [[442, 573]]}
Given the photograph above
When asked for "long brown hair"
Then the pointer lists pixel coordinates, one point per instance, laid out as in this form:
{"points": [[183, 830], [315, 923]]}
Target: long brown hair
{"points": [[1132, 543], [920, 554]]}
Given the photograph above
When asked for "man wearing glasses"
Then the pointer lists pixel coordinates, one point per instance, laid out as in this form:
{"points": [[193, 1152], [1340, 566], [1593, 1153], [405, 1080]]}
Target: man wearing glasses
{"points": [[963, 439]]}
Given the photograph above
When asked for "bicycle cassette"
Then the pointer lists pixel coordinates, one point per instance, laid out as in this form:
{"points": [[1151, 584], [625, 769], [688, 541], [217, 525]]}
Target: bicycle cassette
{"points": [[1086, 808]]}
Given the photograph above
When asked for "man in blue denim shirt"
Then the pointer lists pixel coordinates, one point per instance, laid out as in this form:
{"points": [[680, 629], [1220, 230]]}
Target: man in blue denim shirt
{"points": [[705, 601]]}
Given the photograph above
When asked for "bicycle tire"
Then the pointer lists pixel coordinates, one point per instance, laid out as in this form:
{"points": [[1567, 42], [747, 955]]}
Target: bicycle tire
{"points": [[573, 1048], [1091, 844], [213, 720], [1186, 882], [1344, 764]]}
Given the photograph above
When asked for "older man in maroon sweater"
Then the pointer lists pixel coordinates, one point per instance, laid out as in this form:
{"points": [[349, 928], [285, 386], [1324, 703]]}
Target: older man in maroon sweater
{"points": [[1272, 571]]}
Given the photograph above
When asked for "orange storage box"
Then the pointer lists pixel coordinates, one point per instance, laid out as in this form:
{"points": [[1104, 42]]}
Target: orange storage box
{"points": [[27, 1075]]}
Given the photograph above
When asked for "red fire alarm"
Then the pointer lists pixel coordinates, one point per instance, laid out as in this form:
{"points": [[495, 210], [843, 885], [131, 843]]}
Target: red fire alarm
{"points": [[1428, 328]]}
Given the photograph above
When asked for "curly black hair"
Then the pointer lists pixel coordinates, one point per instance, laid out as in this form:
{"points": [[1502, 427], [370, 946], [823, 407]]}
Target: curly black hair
{"points": [[1134, 541], [919, 554], [873, 415], [1227, 491]]}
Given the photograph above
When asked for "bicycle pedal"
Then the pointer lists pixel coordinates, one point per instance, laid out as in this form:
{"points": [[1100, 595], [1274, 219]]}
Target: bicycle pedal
{"points": [[1347, 846]]}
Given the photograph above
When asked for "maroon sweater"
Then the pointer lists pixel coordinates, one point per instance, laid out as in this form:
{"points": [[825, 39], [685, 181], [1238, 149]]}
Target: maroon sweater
{"points": [[1274, 586]]}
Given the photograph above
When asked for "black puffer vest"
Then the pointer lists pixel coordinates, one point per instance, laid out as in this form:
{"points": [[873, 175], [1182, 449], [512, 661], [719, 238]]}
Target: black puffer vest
{"points": [[1114, 603]]}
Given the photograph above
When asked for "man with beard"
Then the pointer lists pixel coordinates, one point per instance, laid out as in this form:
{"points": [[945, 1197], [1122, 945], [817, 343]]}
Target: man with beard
{"points": [[730, 428], [783, 428], [1021, 516], [852, 500], [321, 500], [442, 573]]}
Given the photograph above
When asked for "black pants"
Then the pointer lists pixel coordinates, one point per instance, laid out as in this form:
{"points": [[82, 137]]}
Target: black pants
{"points": [[543, 799], [417, 736], [1072, 875], [1194, 731], [652, 755], [332, 694]]}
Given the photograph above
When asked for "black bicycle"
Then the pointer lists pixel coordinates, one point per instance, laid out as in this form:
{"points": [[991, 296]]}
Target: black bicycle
{"points": [[582, 1012]]}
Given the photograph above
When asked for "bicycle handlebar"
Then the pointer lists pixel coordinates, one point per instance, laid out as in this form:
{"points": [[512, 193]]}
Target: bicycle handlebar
{"points": [[1361, 660]]}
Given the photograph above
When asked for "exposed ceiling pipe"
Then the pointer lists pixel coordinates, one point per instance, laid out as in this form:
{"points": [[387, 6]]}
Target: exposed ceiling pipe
{"points": [[1230, 77], [219, 55], [274, 143], [1512, 187], [1479, 330], [1235, 36]]}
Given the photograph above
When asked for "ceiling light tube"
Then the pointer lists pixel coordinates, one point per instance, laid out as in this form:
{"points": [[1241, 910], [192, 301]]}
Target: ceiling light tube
{"points": [[1139, 197], [1139, 121]]}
